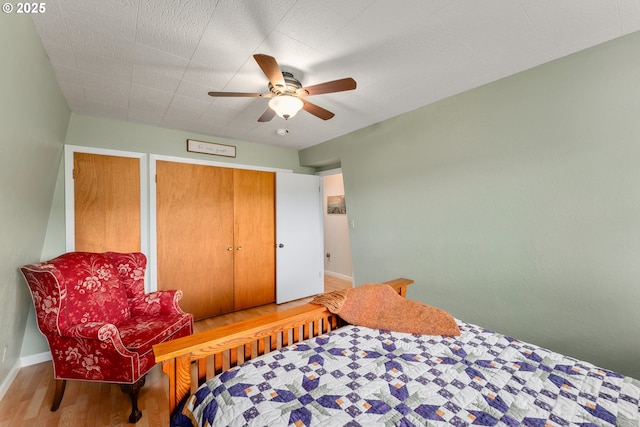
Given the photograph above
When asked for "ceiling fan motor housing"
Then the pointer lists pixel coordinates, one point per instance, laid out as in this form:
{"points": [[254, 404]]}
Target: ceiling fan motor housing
{"points": [[292, 86]]}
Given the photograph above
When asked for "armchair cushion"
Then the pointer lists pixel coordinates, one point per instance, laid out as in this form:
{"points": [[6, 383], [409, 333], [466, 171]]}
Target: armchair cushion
{"points": [[95, 292], [139, 334], [156, 303], [130, 268]]}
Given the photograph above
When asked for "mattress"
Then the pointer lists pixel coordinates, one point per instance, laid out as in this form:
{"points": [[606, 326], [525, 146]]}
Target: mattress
{"points": [[357, 376]]}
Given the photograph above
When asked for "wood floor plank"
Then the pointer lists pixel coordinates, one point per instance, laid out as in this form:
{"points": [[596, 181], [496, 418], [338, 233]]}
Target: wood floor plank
{"points": [[27, 403], [37, 401]]}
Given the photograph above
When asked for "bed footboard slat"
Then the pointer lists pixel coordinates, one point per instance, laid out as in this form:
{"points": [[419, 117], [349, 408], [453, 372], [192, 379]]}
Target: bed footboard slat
{"points": [[179, 372], [201, 368], [229, 345]]}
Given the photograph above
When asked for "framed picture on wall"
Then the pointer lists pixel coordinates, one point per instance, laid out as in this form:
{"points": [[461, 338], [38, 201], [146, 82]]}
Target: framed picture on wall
{"points": [[195, 146], [336, 205]]}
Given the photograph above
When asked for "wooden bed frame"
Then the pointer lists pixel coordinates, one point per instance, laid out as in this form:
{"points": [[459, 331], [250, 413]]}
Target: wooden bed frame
{"points": [[217, 350]]}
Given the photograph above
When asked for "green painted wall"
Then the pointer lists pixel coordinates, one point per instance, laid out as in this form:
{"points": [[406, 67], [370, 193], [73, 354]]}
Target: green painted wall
{"points": [[515, 206], [33, 123]]}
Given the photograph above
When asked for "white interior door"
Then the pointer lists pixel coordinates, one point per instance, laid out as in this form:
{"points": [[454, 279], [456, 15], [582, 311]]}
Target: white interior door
{"points": [[299, 237]]}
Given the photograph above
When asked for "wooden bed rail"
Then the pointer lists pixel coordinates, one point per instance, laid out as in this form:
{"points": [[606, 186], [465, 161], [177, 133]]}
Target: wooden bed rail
{"points": [[217, 350]]}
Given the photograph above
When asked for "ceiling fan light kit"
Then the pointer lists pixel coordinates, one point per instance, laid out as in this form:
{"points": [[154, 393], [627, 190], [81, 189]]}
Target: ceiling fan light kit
{"points": [[286, 93], [286, 106]]}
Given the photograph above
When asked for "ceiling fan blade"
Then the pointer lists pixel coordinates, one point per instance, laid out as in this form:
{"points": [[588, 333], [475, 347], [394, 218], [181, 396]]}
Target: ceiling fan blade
{"points": [[267, 115], [316, 110], [340, 85], [271, 69], [233, 94]]}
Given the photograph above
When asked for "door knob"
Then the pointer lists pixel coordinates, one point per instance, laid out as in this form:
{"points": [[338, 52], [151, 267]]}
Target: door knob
{"points": [[229, 248], [281, 245], [239, 248]]}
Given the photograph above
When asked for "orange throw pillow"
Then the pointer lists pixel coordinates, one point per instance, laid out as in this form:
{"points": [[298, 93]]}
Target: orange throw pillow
{"points": [[381, 307]]}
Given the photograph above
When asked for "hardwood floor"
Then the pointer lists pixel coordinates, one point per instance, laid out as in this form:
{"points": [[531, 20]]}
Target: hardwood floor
{"points": [[28, 400]]}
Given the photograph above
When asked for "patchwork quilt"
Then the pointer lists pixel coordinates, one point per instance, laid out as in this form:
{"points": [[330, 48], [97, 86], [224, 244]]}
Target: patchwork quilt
{"points": [[357, 376]]}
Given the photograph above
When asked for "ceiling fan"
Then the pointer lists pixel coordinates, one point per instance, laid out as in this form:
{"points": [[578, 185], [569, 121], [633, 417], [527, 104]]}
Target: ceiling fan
{"points": [[286, 93]]}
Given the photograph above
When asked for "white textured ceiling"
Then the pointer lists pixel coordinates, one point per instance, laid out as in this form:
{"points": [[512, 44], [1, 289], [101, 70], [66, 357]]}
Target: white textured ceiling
{"points": [[153, 61]]}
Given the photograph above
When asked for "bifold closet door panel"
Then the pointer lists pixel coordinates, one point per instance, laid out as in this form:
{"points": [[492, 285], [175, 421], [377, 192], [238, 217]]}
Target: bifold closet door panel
{"points": [[106, 203], [254, 236], [194, 216]]}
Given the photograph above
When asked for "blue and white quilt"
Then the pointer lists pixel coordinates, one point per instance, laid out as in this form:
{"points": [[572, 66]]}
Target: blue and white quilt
{"points": [[357, 376]]}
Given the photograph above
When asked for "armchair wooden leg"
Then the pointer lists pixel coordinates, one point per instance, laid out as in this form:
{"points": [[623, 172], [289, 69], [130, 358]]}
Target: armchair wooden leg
{"points": [[132, 390], [57, 396]]}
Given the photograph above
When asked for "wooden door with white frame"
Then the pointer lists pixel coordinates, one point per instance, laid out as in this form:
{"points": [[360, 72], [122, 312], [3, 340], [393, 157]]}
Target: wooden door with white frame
{"points": [[254, 238], [222, 271], [194, 235], [104, 199]]}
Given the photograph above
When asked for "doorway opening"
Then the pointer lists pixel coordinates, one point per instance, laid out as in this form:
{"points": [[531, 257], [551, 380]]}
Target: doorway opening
{"points": [[337, 245]]}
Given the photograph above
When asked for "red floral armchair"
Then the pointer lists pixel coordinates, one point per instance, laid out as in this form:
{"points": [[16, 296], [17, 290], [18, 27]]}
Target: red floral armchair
{"points": [[99, 322]]}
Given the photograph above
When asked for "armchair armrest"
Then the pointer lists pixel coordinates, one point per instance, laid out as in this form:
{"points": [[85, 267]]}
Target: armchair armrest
{"points": [[101, 331], [94, 351], [97, 331], [156, 303]]}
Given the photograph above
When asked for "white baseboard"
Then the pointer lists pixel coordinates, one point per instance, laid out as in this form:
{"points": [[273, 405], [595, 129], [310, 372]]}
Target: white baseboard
{"points": [[338, 275], [13, 372], [34, 359], [20, 363]]}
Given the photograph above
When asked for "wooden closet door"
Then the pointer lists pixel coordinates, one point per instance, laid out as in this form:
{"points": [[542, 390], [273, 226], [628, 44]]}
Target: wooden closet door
{"points": [[106, 203], [254, 262], [194, 215]]}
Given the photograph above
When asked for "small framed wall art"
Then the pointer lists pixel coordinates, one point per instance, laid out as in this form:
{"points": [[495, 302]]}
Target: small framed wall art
{"points": [[336, 205], [196, 146]]}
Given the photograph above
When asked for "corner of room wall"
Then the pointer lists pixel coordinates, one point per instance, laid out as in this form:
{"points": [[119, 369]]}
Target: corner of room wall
{"points": [[35, 119]]}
